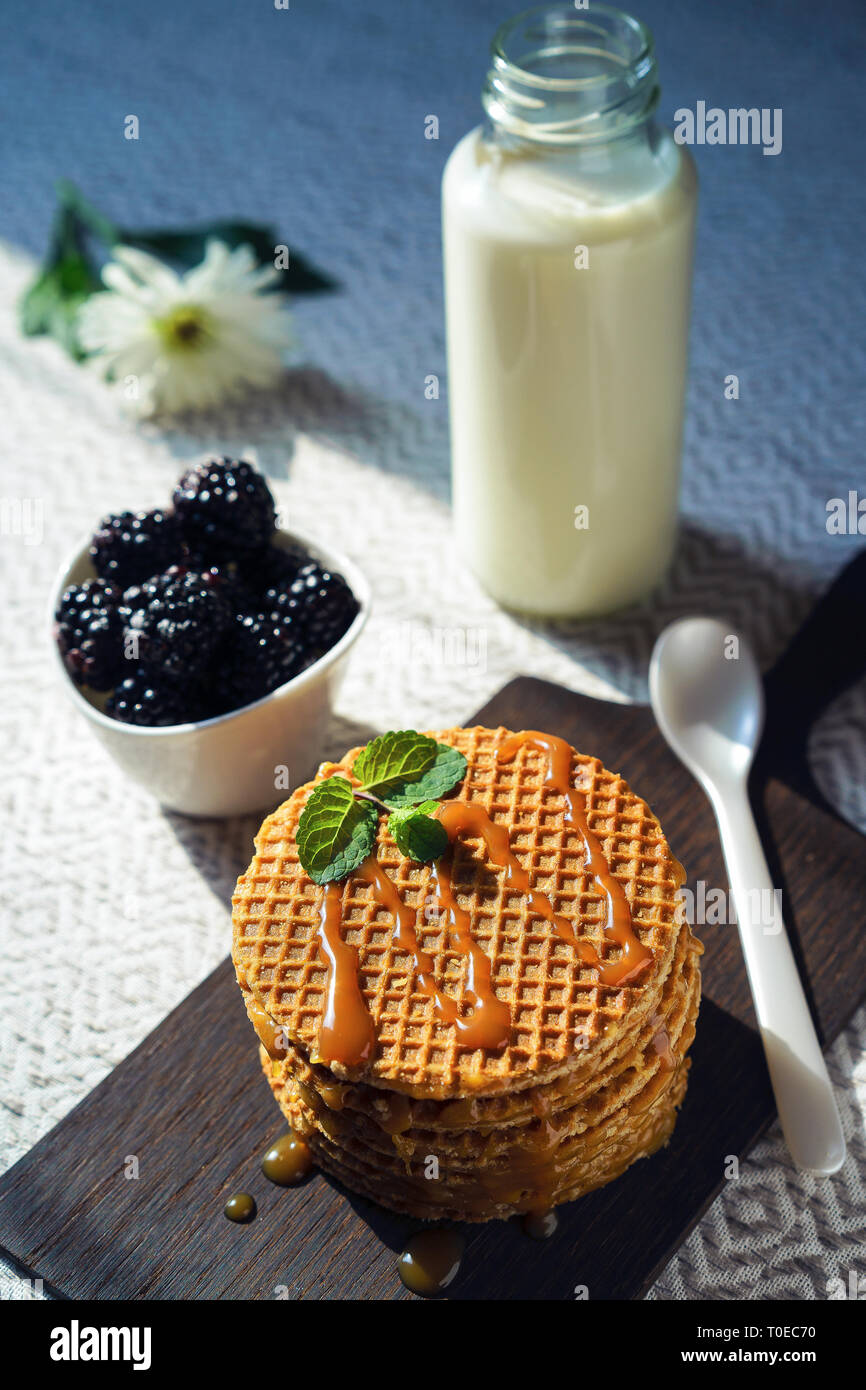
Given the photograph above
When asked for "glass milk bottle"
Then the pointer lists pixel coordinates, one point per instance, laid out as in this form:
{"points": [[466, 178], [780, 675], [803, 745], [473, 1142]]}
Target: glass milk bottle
{"points": [[568, 223]]}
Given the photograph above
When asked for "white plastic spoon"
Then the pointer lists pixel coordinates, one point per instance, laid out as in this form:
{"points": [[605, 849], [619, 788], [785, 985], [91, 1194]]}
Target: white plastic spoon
{"points": [[708, 698]]}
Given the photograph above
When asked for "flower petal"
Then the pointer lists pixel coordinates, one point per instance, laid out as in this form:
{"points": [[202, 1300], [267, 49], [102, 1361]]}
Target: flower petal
{"points": [[147, 270]]}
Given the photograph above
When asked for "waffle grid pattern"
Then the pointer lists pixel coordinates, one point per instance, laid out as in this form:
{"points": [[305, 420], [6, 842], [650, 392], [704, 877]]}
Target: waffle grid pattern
{"points": [[634, 1083], [502, 1109], [561, 1016]]}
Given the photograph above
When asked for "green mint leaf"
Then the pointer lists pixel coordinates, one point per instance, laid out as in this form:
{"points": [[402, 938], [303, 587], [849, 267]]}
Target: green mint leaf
{"points": [[448, 768], [416, 834], [335, 832], [394, 759]]}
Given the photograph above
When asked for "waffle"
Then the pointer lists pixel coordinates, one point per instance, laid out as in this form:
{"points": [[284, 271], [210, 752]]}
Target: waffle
{"points": [[592, 1064], [534, 1179], [574, 1117], [395, 1112], [562, 1016]]}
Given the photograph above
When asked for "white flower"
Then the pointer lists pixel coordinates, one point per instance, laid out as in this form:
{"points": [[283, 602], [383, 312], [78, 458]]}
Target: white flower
{"points": [[171, 342]]}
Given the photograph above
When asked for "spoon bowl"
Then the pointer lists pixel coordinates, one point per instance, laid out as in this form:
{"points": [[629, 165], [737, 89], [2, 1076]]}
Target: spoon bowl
{"points": [[708, 698]]}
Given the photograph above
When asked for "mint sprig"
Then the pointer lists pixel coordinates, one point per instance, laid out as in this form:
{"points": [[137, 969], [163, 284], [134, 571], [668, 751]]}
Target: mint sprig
{"points": [[400, 772], [393, 760], [447, 769], [336, 832], [417, 834]]}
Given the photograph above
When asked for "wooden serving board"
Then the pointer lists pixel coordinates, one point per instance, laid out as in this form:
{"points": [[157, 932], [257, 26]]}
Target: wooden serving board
{"points": [[191, 1104]]}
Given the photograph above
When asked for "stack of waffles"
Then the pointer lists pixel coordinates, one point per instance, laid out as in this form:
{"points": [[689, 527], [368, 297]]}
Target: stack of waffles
{"points": [[571, 943]]}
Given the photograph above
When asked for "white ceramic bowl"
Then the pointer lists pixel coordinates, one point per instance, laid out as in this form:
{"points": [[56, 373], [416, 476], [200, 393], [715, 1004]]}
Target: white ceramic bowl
{"points": [[238, 762]]}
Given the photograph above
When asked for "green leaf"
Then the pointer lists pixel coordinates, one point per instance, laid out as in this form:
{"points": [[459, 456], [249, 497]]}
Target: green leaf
{"points": [[51, 303], [392, 759], [186, 245], [88, 217], [448, 768], [417, 834], [335, 832]]}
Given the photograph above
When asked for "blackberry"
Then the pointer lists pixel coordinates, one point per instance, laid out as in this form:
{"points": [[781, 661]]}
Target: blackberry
{"points": [[154, 701], [225, 579], [230, 582], [259, 653], [283, 604], [132, 546], [272, 571], [324, 604], [225, 508], [89, 633], [177, 629], [133, 598]]}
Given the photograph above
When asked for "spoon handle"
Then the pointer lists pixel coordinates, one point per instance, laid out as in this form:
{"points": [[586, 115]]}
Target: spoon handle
{"points": [[804, 1095]]}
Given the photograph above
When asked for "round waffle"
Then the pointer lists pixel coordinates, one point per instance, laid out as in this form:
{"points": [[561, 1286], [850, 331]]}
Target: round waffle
{"points": [[564, 1019], [395, 1112], [575, 1120]]}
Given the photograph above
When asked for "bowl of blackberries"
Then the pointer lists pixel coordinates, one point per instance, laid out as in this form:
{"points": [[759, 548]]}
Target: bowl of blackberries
{"points": [[205, 643]]}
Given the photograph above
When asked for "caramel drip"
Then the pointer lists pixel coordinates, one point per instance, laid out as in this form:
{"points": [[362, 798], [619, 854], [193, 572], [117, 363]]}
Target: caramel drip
{"points": [[346, 1033], [488, 1024], [430, 1261], [618, 924], [334, 1095], [662, 1043], [404, 936], [533, 1170], [395, 1117], [405, 1151], [287, 1161], [240, 1207], [270, 1035], [470, 818]]}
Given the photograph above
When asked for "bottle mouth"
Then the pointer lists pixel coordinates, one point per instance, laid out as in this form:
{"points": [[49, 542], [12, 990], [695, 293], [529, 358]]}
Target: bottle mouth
{"points": [[562, 76]]}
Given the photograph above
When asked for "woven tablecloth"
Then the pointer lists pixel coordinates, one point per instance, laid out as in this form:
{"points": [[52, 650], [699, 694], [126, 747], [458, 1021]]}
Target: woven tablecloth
{"points": [[313, 118]]}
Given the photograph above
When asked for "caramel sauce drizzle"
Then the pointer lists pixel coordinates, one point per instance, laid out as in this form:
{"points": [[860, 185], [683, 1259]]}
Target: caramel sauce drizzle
{"points": [[618, 925], [489, 1023], [534, 1167], [347, 1035], [270, 1035], [469, 817], [662, 1043]]}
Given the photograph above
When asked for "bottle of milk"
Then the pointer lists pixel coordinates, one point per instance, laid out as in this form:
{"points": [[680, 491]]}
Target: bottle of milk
{"points": [[568, 223]]}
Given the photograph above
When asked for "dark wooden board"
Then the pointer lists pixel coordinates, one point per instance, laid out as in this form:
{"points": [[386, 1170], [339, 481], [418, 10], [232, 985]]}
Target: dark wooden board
{"points": [[191, 1105]]}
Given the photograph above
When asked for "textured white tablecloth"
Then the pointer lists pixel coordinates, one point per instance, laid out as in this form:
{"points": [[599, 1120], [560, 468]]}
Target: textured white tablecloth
{"points": [[116, 909]]}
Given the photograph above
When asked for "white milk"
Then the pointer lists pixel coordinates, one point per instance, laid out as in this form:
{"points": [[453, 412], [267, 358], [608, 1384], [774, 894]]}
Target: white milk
{"points": [[567, 287]]}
